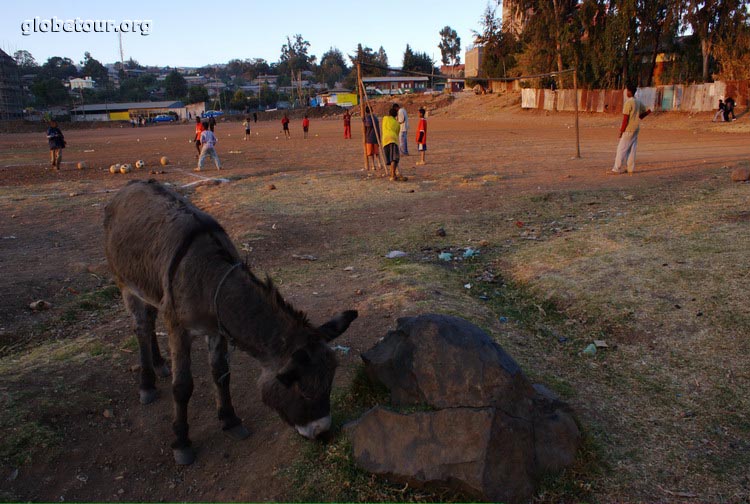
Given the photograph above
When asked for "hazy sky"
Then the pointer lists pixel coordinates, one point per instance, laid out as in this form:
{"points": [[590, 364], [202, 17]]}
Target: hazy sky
{"points": [[193, 33]]}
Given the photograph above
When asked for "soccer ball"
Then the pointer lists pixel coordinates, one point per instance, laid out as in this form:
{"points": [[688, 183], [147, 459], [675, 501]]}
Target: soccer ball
{"points": [[114, 169], [81, 165], [126, 168], [140, 164], [164, 160]]}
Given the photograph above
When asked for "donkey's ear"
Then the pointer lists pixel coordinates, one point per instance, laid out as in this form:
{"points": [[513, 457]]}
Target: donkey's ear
{"points": [[291, 372], [338, 324]]}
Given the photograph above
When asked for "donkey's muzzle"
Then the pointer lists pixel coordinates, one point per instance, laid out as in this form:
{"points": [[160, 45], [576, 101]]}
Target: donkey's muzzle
{"points": [[314, 428]]}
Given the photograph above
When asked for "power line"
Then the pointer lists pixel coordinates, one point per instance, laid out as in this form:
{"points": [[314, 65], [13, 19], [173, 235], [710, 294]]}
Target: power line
{"points": [[482, 79]]}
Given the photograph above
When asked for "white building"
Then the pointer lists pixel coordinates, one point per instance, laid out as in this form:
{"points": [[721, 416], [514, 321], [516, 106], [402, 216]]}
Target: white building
{"points": [[85, 83]]}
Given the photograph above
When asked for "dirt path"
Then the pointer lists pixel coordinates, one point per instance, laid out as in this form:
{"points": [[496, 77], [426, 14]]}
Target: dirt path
{"points": [[106, 445]]}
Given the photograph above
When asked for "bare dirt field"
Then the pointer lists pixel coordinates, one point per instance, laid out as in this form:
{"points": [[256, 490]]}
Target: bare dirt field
{"points": [[654, 264]]}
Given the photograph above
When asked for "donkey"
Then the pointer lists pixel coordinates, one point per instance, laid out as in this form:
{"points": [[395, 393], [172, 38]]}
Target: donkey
{"points": [[168, 256]]}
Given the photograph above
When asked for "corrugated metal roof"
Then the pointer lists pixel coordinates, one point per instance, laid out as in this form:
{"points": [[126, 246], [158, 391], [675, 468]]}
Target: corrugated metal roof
{"points": [[97, 107], [394, 79]]}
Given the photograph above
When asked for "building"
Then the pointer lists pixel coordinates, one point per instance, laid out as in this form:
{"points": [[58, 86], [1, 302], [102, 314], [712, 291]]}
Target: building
{"points": [[395, 85], [124, 111], [473, 58], [11, 92], [85, 83]]}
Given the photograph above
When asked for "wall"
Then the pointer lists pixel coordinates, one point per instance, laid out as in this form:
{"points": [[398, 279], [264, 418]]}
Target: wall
{"points": [[680, 98]]}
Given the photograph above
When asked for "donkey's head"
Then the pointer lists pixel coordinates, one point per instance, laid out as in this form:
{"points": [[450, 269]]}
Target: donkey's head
{"points": [[300, 391]]}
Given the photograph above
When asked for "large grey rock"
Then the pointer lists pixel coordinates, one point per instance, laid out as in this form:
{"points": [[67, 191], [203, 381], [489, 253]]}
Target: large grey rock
{"points": [[448, 448], [493, 432], [447, 362]]}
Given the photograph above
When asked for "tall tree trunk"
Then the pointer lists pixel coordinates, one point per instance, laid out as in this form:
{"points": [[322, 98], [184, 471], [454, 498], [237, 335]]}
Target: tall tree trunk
{"points": [[706, 53]]}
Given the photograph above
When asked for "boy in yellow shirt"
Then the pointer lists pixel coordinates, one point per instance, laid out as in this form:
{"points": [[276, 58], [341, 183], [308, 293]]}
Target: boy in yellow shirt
{"points": [[391, 130]]}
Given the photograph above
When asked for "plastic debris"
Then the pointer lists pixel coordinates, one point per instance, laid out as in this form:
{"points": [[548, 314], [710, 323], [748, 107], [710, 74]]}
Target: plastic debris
{"points": [[445, 256], [590, 350], [467, 286], [503, 320], [470, 252], [343, 349], [600, 344], [395, 254], [305, 257]]}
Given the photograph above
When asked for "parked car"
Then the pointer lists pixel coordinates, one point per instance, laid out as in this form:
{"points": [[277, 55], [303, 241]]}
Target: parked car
{"points": [[164, 118], [212, 113]]}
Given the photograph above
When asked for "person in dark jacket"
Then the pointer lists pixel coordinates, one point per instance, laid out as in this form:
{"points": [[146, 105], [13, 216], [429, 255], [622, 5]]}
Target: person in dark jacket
{"points": [[56, 144]]}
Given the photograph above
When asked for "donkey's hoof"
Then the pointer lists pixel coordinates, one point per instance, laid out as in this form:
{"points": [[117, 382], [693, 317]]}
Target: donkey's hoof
{"points": [[163, 371], [238, 432], [184, 456], [148, 396]]}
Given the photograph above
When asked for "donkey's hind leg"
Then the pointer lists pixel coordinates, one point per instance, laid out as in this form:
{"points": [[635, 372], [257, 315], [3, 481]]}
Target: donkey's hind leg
{"points": [[218, 357], [144, 322]]}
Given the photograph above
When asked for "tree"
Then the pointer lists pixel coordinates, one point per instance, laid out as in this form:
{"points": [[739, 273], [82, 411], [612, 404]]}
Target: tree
{"points": [[498, 47], [381, 58], [450, 46], [49, 91], [294, 55], [710, 20], [417, 62], [94, 69], [332, 67], [25, 61], [239, 100], [59, 68], [197, 94], [175, 85]]}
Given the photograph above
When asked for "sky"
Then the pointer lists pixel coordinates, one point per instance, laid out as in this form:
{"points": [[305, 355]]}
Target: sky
{"points": [[196, 33]]}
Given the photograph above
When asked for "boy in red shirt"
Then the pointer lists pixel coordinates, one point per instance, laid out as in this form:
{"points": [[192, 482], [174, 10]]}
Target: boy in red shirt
{"points": [[198, 131], [305, 125], [422, 136], [347, 124], [285, 125]]}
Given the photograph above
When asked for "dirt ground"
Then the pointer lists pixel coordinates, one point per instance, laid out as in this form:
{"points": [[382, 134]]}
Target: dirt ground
{"points": [[91, 439]]}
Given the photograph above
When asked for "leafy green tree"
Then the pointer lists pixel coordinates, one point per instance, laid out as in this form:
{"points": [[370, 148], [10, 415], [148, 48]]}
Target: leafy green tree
{"points": [[239, 100], [25, 61], [332, 67], [197, 94], [59, 68], [49, 91], [137, 88], [450, 46], [94, 69], [295, 55], [417, 62], [499, 48], [175, 85], [710, 20]]}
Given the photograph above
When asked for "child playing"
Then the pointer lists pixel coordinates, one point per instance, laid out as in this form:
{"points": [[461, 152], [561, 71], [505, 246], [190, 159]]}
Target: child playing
{"points": [[56, 144], [285, 125], [246, 124], [208, 143], [391, 130], [198, 130], [305, 125], [422, 136]]}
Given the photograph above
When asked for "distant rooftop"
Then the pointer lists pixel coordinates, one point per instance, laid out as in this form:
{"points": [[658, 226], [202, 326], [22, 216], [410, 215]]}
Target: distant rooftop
{"points": [[97, 107]]}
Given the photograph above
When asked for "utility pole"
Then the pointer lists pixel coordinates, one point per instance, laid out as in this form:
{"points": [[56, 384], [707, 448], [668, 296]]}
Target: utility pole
{"points": [[360, 93]]}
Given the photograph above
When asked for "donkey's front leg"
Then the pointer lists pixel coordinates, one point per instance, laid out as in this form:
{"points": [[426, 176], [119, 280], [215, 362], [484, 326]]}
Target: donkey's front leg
{"points": [[182, 389], [144, 319], [219, 359]]}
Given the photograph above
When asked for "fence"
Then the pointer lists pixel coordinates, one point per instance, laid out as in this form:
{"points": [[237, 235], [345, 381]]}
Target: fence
{"points": [[680, 98]]}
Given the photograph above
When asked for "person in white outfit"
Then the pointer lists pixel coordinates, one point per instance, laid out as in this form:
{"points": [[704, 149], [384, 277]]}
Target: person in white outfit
{"points": [[208, 144], [633, 112], [403, 121]]}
